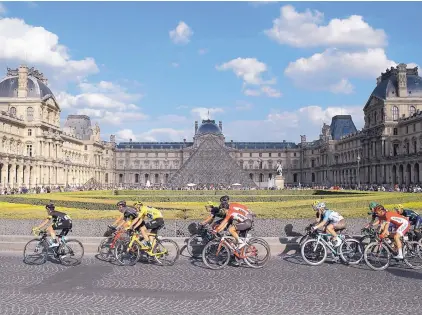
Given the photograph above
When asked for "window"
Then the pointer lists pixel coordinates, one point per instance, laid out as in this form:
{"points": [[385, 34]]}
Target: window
{"points": [[395, 113], [313, 163], [156, 154], [106, 151], [295, 154], [29, 132], [29, 149], [106, 177], [279, 154], [250, 154], [260, 154], [12, 111], [395, 132], [120, 178], [415, 147], [407, 129], [395, 149], [29, 114], [86, 147], [136, 178], [412, 110], [269, 154]]}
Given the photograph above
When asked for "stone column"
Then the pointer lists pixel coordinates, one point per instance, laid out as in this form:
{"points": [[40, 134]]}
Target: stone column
{"points": [[12, 177], [20, 175], [4, 173]]}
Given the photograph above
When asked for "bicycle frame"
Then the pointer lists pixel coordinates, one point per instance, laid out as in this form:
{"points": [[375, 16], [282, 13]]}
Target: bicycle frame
{"points": [[320, 239], [226, 240], [135, 239]]}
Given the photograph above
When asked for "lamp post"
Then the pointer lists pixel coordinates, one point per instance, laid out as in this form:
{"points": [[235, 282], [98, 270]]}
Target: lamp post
{"points": [[358, 159]]}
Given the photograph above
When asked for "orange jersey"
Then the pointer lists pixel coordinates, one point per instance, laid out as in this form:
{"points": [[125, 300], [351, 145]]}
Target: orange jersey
{"points": [[238, 212], [393, 218]]}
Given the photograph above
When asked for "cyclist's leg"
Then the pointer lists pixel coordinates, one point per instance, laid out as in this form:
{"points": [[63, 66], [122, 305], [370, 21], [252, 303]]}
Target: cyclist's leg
{"points": [[401, 231], [144, 231], [154, 226]]}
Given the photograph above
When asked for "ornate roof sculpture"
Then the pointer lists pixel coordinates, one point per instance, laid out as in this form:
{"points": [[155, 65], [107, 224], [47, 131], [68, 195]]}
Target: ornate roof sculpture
{"points": [[208, 126], [210, 164]]}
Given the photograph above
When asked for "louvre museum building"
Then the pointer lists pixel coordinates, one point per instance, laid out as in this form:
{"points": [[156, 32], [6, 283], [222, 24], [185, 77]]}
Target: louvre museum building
{"points": [[36, 150]]}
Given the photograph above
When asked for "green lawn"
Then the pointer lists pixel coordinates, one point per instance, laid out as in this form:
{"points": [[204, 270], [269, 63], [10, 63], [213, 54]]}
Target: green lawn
{"points": [[190, 204]]}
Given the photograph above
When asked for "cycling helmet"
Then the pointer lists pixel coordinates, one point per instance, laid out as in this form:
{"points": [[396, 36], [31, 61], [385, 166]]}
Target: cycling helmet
{"points": [[50, 207], [320, 205], [224, 199], [314, 204], [399, 207], [372, 205], [138, 204], [121, 203]]}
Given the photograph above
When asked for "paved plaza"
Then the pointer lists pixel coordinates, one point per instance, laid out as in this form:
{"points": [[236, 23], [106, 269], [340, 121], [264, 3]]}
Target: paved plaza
{"points": [[286, 285]]}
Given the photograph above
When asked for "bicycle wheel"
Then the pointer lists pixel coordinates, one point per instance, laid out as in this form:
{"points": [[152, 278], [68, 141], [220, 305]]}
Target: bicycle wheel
{"points": [[351, 251], [104, 249], [254, 248], [71, 252], [377, 256], [412, 252], [313, 252], [124, 256], [166, 252], [195, 245], [35, 252], [216, 256]]}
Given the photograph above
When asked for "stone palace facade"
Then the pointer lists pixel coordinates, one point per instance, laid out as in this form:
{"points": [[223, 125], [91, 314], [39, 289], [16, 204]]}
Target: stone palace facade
{"points": [[35, 150]]}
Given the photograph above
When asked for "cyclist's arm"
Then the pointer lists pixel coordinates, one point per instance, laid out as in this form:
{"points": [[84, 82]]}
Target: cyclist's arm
{"points": [[384, 228], [321, 224], [119, 220], [137, 222], [207, 220], [222, 225], [123, 222], [43, 224]]}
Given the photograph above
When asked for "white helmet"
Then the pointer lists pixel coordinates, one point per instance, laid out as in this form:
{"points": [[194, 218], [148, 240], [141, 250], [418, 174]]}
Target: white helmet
{"points": [[321, 206]]}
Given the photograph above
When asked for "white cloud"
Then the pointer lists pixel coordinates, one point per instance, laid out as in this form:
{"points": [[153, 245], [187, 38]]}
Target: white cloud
{"points": [[242, 105], [288, 125], [110, 117], [38, 47], [202, 112], [331, 69], [154, 135], [181, 34], [305, 29], [3, 9], [202, 51], [251, 71], [125, 135]]}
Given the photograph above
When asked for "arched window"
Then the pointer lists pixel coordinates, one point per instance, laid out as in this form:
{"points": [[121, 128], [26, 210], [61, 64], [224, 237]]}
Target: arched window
{"points": [[395, 113], [29, 114], [12, 111], [412, 110]]}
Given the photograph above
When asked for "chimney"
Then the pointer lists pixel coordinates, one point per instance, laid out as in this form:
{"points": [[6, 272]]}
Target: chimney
{"points": [[130, 140], [23, 81], [378, 80], [196, 126], [303, 138], [220, 124], [112, 138], [402, 80], [232, 143]]}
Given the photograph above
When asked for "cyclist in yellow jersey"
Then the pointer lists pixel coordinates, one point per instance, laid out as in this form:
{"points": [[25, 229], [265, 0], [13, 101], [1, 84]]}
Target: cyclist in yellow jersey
{"points": [[156, 221]]}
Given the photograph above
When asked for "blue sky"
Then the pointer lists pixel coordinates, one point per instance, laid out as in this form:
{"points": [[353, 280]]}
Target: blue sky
{"points": [[269, 71]]}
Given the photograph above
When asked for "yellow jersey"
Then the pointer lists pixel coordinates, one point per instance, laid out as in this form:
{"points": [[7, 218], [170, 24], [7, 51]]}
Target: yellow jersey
{"points": [[150, 212]]}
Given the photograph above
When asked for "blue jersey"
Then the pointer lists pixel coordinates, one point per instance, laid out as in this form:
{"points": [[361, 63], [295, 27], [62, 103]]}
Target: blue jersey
{"points": [[332, 216]]}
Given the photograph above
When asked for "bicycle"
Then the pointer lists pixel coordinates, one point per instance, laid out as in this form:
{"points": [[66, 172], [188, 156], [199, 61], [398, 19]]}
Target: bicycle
{"points": [[320, 244], [225, 247], [134, 248], [308, 233], [62, 252], [368, 237], [107, 246], [197, 242], [383, 248]]}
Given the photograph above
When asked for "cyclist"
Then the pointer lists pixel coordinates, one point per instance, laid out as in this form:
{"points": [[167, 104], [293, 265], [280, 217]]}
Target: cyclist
{"points": [[59, 221], [214, 210], [237, 216], [414, 218], [399, 221], [332, 221], [128, 214], [156, 221]]}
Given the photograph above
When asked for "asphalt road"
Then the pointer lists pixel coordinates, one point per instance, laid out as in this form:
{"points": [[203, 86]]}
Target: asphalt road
{"points": [[285, 285]]}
